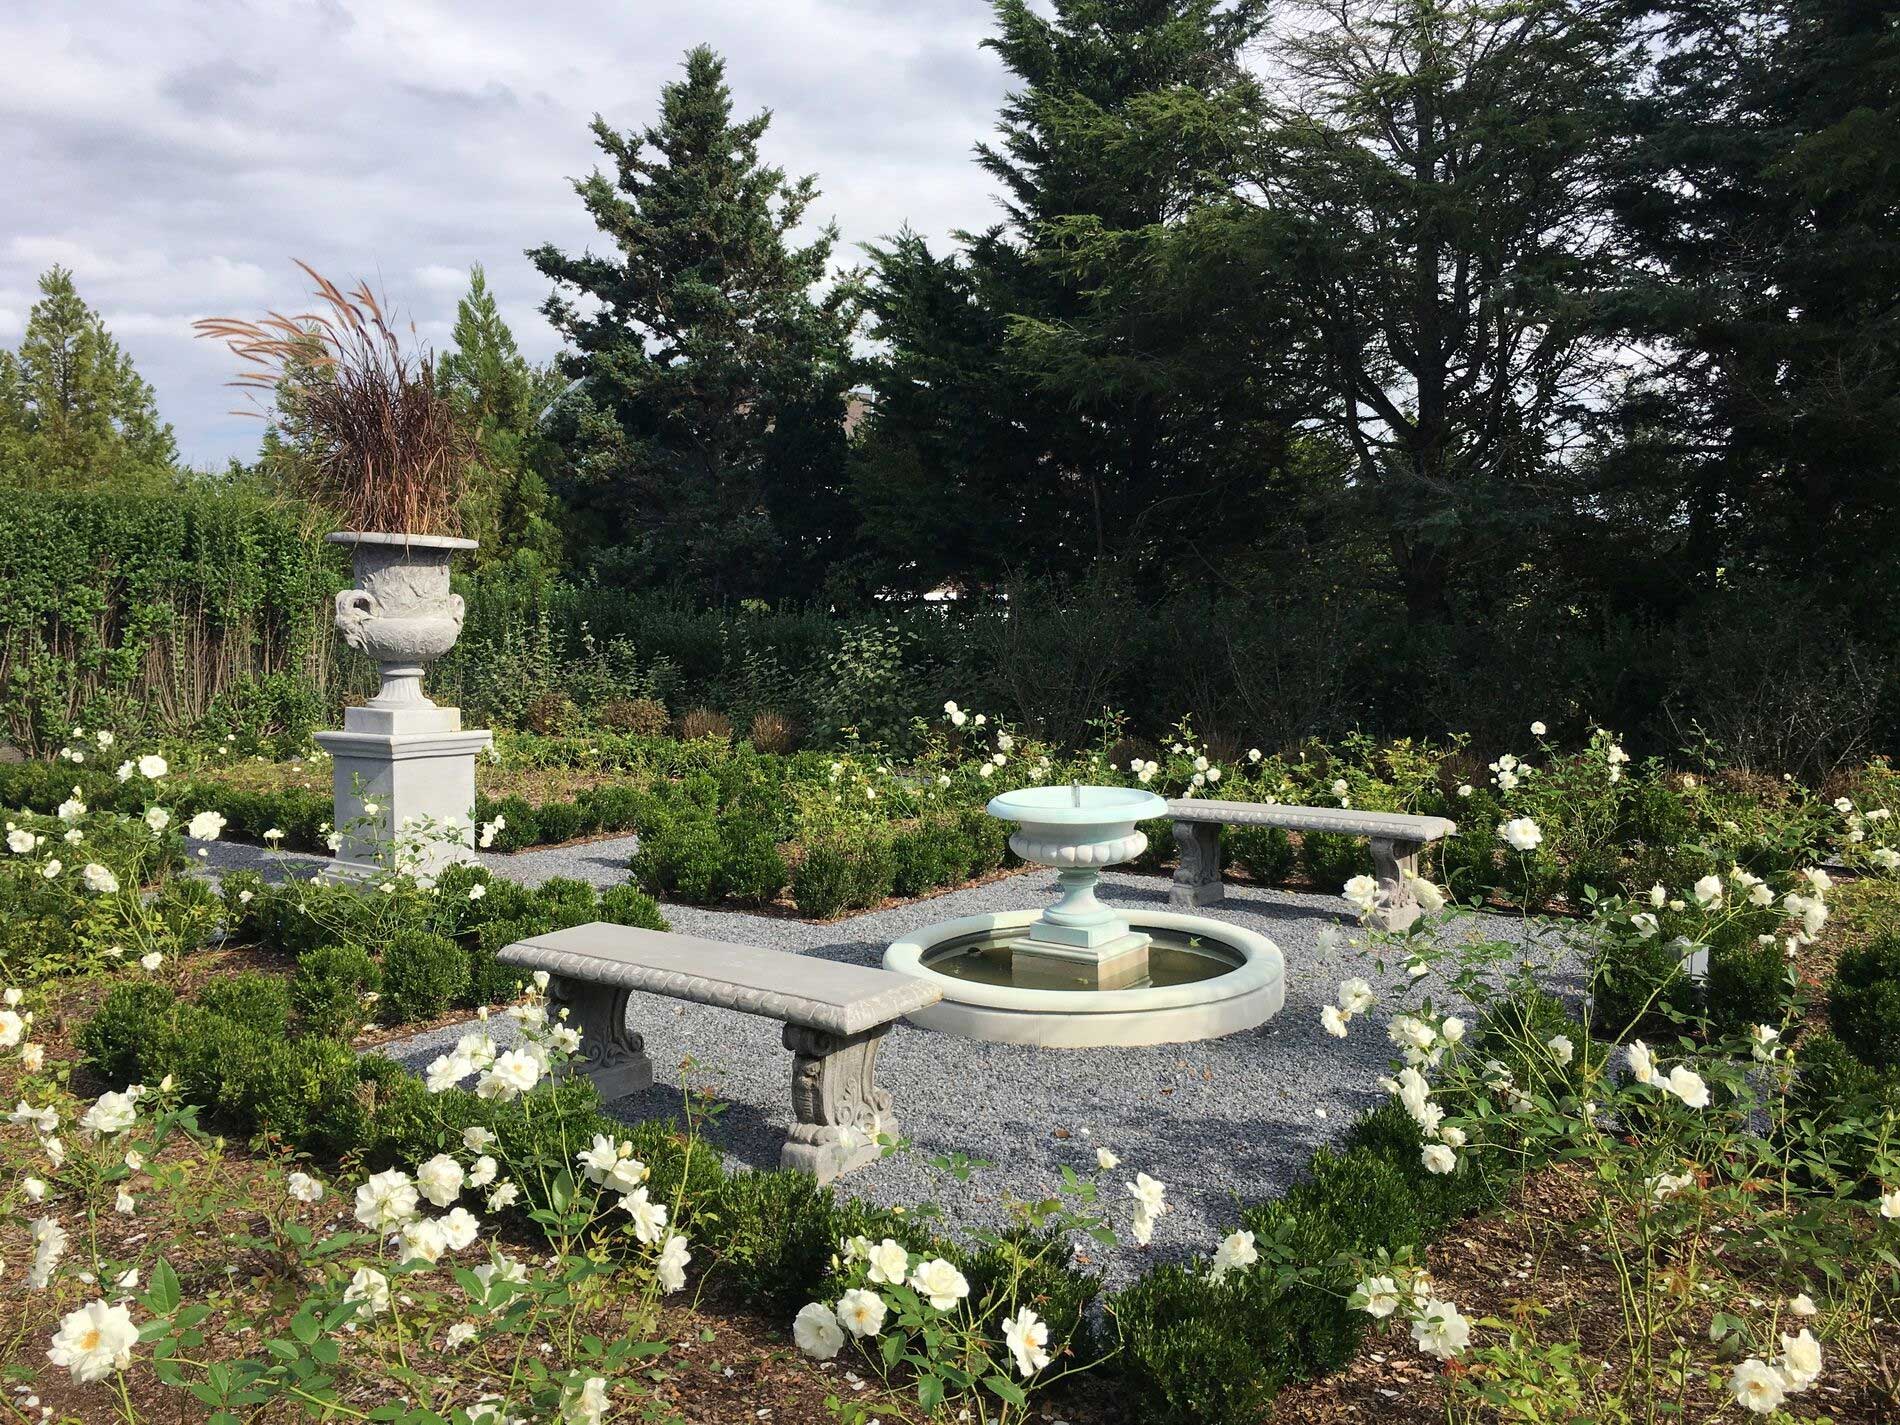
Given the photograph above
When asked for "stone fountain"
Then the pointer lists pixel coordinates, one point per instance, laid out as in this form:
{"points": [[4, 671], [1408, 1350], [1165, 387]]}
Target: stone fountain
{"points": [[1079, 972]]}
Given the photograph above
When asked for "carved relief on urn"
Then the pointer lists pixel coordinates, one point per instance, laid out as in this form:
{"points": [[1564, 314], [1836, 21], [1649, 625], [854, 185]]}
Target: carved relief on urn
{"points": [[402, 613]]}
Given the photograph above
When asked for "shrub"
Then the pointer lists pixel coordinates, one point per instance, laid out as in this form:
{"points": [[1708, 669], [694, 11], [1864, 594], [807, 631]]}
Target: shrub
{"points": [[1745, 986], [1863, 1003], [821, 882], [629, 905], [490, 981], [551, 714], [1330, 859], [557, 903], [328, 990], [703, 725], [1185, 1353], [251, 1000], [304, 1091], [555, 822], [771, 732], [190, 908], [1389, 1134], [752, 870], [985, 840], [423, 975], [1599, 869], [112, 1041], [924, 857], [873, 868], [782, 1230], [1042, 1262], [614, 808], [520, 826], [1638, 985], [1516, 1031], [1264, 852], [643, 717]]}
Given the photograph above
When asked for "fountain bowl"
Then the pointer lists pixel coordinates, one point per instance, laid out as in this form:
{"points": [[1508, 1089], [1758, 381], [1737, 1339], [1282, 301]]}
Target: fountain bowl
{"points": [[1206, 979]]}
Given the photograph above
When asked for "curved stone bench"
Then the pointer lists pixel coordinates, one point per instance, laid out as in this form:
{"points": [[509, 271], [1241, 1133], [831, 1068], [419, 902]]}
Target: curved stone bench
{"points": [[835, 1017], [1396, 839]]}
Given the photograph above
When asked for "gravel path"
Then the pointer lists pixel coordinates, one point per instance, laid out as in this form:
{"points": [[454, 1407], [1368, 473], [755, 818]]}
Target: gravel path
{"points": [[599, 863], [1229, 1120]]}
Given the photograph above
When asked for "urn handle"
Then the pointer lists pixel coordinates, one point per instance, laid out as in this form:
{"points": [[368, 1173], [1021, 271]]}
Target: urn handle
{"points": [[354, 608]]}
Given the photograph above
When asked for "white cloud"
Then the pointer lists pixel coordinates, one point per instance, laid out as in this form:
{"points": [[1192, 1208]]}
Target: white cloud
{"points": [[176, 155]]}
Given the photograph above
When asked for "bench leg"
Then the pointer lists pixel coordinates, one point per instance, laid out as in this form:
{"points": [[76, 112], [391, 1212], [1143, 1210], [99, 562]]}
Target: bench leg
{"points": [[611, 1055], [1197, 877], [835, 1097], [1393, 862]]}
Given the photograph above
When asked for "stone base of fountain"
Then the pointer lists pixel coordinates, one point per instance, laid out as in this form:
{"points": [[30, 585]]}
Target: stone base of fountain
{"points": [[1204, 979]]}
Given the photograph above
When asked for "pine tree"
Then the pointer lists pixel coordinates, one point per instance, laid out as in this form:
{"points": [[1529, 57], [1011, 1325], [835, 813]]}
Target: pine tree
{"points": [[74, 413], [707, 428], [504, 399]]}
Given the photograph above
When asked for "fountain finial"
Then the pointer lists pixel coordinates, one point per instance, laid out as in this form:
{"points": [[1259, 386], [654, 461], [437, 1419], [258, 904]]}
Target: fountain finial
{"points": [[1075, 794]]}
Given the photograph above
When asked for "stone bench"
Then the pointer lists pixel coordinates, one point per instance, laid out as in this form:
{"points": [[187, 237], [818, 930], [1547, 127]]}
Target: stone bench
{"points": [[835, 1016], [1396, 841]]}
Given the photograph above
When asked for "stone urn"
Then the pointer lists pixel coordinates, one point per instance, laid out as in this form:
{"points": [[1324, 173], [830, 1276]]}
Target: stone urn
{"points": [[401, 614], [404, 772]]}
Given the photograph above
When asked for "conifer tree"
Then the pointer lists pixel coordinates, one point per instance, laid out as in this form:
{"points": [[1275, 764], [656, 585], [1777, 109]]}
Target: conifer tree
{"points": [[705, 439], [504, 399], [74, 413]]}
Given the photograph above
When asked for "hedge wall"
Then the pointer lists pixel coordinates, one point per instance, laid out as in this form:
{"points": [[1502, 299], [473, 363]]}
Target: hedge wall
{"points": [[165, 613]]}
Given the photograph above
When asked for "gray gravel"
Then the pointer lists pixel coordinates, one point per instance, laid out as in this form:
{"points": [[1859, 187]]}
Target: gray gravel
{"points": [[599, 863], [1230, 1120]]}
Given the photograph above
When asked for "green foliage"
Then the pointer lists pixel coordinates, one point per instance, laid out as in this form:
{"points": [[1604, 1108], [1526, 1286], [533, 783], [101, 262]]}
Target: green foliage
{"points": [[423, 975], [73, 412], [198, 592], [712, 382], [628, 905], [251, 1000], [781, 1231], [1863, 1003], [329, 986], [822, 880], [1329, 860], [1185, 1355], [1265, 853]]}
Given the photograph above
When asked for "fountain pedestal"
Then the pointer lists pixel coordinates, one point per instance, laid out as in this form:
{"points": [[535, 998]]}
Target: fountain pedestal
{"points": [[1079, 943]]}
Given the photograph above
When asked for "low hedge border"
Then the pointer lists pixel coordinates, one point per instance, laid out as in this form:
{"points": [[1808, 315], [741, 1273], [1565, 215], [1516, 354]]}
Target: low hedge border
{"points": [[1185, 1348]]}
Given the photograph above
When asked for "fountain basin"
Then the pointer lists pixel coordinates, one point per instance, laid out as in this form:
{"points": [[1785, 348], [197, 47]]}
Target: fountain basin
{"points": [[1203, 979]]}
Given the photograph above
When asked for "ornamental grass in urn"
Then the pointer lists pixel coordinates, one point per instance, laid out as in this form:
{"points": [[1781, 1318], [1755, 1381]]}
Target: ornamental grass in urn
{"points": [[382, 448]]}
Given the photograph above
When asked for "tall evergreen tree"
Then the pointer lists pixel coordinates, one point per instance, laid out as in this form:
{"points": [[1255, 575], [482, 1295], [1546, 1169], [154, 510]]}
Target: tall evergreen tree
{"points": [[74, 413], [1020, 407], [504, 398], [1429, 199], [708, 426], [1762, 197]]}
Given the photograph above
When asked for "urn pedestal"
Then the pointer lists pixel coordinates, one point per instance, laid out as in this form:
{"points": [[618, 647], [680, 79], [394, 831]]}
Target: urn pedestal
{"points": [[404, 779]]}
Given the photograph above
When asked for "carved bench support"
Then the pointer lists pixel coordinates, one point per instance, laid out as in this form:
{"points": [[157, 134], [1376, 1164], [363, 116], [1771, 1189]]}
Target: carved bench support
{"points": [[1394, 863], [612, 1055], [836, 1100], [1197, 874]]}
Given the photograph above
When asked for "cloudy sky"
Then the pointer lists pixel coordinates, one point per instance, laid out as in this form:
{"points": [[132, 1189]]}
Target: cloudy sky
{"points": [[176, 154]]}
